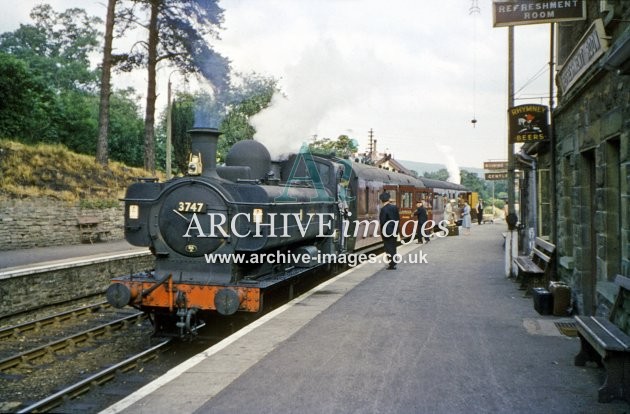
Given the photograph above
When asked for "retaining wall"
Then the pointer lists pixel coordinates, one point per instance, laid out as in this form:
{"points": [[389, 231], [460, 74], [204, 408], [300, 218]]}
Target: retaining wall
{"points": [[47, 222]]}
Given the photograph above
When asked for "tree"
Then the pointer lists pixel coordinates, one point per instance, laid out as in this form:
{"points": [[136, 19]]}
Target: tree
{"points": [[55, 52], [106, 70], [49, 91], [77, 120], [57, 47], [342, 147], [253, 94], [250, 96], [26, 104], [176, 33], [126, 127], [441, 174], [183, 119], [472, 182]]}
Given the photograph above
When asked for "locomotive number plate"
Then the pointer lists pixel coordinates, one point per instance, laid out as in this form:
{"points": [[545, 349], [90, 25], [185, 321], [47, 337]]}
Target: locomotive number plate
{"points": [[191, 207]]}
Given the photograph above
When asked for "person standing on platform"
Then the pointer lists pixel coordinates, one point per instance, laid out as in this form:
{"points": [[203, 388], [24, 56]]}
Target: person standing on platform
{"points": [[466, 221], [479, 212], [448, 211], [388, 219], [422, 217]]}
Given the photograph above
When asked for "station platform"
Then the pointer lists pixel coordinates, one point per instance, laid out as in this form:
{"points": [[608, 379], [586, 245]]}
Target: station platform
{"points": [[451, 335], [14, 260]]}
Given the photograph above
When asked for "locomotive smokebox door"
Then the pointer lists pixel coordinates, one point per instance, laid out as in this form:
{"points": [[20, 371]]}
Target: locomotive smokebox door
{"points": [[197, 218]]}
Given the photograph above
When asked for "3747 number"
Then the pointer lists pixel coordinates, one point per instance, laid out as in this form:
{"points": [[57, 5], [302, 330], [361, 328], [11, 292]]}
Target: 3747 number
{"points": [[188, 206]]}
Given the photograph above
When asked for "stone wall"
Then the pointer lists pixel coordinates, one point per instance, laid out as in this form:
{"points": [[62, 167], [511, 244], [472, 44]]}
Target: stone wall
{"points": [[592, 126], [47, 222], [27, 292]]}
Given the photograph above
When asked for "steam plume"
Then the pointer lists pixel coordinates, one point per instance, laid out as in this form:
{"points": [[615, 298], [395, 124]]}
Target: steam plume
{"points": [[323, 82], [451, 164]]}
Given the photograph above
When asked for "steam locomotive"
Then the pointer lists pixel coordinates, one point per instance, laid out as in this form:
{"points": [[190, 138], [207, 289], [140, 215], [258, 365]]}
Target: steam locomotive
{"points": [[224, 236]]}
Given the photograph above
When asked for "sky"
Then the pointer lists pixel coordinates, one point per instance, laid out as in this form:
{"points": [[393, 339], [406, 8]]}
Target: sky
{"points": [[414, 72]]}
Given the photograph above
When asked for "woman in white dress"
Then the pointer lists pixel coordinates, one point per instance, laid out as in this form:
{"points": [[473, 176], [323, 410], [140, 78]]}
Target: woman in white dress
{"points": [[466, 221]]}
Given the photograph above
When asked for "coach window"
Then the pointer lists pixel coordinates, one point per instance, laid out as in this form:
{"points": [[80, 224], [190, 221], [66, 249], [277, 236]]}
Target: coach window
{"points": [[393, 196], [407, 200], [428, 201]]}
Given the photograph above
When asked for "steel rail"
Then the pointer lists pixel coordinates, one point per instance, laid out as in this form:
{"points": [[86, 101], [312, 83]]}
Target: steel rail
{"points": [[99, 378], [55, 346], [49, 305], [48, 320]]}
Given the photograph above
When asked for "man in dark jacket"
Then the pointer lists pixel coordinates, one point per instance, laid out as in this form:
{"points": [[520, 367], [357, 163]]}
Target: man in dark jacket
{"points": [[388, 218], [421, 214], [479, 212]]}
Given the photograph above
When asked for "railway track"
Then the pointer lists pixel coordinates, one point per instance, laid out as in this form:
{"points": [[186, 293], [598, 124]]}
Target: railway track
{"points": [[35, 325], [27, 357], [94, 388], [41, 356], [85, 385], [16, 318]]}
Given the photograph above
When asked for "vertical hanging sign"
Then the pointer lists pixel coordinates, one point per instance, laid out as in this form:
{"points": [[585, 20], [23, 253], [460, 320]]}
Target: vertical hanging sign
{"points": [[528, 123]]}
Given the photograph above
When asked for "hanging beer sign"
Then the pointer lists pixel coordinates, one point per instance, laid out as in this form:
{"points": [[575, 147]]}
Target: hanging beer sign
{"points": [[528, 123]]}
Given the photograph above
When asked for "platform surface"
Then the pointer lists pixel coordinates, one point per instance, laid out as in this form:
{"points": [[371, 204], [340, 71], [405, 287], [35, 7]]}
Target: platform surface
{"points": [[41, 256], [449, 336]]}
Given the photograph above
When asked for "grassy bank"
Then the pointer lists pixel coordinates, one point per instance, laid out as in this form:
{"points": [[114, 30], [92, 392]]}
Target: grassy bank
{"points": [[45, 170]]}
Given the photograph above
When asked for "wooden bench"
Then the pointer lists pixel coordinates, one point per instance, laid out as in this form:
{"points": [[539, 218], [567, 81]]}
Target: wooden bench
{"points": [[89, 227], [534, 270], [605, 341]]}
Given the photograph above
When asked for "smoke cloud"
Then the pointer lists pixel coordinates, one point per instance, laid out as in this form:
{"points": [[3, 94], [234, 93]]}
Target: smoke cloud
{"points": [[323, 82]]}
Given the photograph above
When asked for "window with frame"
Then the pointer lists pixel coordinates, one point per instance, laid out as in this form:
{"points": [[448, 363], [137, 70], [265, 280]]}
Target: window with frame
{"points": [[407, 200], [543, 215]]}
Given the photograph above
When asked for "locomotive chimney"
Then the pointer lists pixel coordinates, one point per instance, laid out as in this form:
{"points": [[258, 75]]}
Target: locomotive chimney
{"points": [[204, 141]]}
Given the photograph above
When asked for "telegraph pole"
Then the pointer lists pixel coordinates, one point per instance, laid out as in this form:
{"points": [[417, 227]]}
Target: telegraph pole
{"points": [[511, 241], [511, 209]]}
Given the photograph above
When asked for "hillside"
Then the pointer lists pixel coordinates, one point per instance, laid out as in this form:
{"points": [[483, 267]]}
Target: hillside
{"points": [[53, 171]]}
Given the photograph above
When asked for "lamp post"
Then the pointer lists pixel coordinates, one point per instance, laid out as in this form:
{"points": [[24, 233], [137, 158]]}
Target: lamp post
{"points": [[169, 128]]}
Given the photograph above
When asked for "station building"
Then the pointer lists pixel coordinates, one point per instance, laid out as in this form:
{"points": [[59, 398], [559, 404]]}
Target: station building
{"points": [[575, 191]]}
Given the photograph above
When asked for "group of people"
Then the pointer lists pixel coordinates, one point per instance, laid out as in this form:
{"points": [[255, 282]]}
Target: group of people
{"points": [[389, 219]]}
